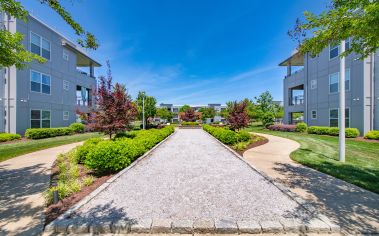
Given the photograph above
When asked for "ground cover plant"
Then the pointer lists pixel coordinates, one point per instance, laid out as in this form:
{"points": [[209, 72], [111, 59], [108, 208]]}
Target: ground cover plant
{"points": [[4, 137], [189, 123], [108, 156], [320, 152], [13, 149], [373, 134]]}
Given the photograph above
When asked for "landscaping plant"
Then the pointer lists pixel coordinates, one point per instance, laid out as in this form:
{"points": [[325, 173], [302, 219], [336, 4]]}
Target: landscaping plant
{"points": [[282, 127], [149, 103], [373, 134], [40, 133], [238, 117], [268, 119], [189, 115], [4, 137], [77, 127], [333, 131], [189, 123], [227, 136], [301, 127]]}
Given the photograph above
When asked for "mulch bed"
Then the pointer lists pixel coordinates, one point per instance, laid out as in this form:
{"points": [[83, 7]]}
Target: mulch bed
{"points": [[364, 140], [53, 211], [252, 145]]}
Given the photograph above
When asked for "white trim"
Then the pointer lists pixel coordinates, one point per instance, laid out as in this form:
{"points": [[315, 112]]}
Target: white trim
{"points": [[338, 111], [30, 80], [330, 75], [338, 87], [40, 120], [40, 44], [338, 47]]}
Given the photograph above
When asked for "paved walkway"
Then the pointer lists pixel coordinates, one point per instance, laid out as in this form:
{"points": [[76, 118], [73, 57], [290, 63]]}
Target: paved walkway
{"points": [[189, 177], [351, 207], [22, 182]]}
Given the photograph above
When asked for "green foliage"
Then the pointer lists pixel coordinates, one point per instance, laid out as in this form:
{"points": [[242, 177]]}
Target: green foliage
{"points": [[82, 150], [227, 136], [268, 119], [189, 123], [87, 181], [207, 112], [12, 51], [114, 155], [4, 137], [301, 127], [184, 108], [165, 114], [39, 133], [150, 106], [265, 104], [77, 127], [373, 134], [358, 19], [333, 131]]}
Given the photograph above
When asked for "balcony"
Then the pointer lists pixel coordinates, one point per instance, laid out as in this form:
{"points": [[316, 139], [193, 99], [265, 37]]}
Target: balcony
{"points": [[296, 96], [297, 100]]}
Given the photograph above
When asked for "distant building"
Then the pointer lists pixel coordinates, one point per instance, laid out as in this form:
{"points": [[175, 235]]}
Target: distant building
{"points": [[44, 95], [176, 108]]}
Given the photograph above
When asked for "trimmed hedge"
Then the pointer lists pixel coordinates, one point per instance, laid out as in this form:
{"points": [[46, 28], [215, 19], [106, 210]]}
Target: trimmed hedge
{"points": [[4, 137], [40, 133], [116, 154], [301, 127], [227, 136], [190, 123], [82, 151], [333, 131], [77, 127], [373, 134], [283, 128]]}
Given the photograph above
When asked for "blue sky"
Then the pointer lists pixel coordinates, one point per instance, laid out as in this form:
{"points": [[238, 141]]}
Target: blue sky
{"points": [[189, 51]]}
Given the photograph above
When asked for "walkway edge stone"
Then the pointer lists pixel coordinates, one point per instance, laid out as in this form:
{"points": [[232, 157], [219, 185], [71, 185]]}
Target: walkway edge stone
{"points": [[52, 226]]}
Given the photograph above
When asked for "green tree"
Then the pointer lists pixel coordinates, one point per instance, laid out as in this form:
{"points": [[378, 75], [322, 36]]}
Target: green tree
{"points": [[357, 19], [264, 104], [165, 114], [251, 109], [12, 51], [150, 106], [278, 111], [184, 108], [207, 112]]}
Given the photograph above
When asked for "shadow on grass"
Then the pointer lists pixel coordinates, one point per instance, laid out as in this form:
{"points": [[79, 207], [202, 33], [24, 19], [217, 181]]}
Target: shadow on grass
{"points": [[353, 208]]}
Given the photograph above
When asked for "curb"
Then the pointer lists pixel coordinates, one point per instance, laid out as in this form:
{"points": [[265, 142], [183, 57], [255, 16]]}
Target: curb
{"points": [[71, 211]]}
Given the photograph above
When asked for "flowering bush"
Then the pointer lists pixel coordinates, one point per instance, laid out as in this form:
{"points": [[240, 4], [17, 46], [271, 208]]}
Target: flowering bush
{"points": [[284, 128]]}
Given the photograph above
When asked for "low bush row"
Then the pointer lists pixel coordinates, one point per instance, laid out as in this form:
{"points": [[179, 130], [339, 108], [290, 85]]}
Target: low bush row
{"points": [[189, 123], [283, 128], [40, 133], [227, 136], [373, 134], [4, 137], [333, 131], [118, 153]]}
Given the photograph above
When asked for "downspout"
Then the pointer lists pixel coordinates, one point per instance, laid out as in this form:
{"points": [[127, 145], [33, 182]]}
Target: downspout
{"points": [[8, 86], [306, 91], [372, 112]]}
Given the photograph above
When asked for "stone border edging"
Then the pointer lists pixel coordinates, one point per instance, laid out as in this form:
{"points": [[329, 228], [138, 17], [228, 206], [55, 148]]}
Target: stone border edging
{"points": [[104, 186], [305, 204]]}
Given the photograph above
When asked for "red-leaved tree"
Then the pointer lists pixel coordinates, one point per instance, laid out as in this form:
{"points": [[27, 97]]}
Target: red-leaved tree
{"points": [[189, 115], [114, 109], [238, 117]]}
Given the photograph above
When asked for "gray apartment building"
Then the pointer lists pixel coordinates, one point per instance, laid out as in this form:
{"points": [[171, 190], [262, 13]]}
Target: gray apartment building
{"points": [[311, 89], [176, 108], [48, 94]]}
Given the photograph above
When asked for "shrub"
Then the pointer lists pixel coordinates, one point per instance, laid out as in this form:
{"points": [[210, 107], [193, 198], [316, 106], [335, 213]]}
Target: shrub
{"points": [[268, 119], [283, 128], [373, 134], [227, 136], [243, 136], [40, 133], [77, 127], [301, 127], [114, 155], [333, 131], [189, 123], [4, 137], [82, 151]]}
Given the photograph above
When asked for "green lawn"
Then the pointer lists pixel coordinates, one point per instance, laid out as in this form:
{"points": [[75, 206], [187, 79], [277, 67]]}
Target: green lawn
{"points": [[10, 150], [321, 153]]}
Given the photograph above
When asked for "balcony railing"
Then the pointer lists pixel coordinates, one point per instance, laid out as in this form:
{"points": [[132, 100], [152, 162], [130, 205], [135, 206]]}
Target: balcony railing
{"points": [[86, 103], [297, 100]]}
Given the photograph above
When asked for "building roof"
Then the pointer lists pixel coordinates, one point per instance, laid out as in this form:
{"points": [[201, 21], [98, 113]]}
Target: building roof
{"points": [[297, 59], [83, 59]]}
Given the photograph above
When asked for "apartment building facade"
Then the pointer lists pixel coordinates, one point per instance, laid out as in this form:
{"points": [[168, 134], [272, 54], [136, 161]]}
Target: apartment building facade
{"points": [[313, 89], [176, 108], [47, 94]]}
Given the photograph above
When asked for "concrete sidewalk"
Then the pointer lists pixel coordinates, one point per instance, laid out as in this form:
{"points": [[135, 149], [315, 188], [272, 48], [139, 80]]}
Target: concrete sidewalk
{"points": [[351, 207], [23, 179]]}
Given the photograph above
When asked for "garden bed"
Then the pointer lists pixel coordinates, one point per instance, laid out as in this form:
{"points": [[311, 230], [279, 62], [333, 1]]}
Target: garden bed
{"points": [[253, 144]]}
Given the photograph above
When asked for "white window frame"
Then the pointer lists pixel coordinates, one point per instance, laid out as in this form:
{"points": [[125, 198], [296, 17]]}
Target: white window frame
{"points": [[40, 120], [314, 85], [338, 86], [347, 71], [66, 115], [314, 118], [66, 85], [348, 40], [40, 44], [30, 81], [338, 112], [65, 55]]}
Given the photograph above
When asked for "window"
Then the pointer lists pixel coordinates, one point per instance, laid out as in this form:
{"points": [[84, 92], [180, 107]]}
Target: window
{"points": [[66, 115], [314, 114], [65, 55], [333, 117], [335, 47], [40, 119], [66, 85], [313, 84], [40, 82], [40, 46], [334, 81]]}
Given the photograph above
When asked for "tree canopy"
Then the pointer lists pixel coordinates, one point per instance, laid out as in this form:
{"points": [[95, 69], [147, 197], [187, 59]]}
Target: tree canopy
{"points": [[12, 51], [150, 106], [165, 114], [354, 19], [207, 112], [184, 108]]}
